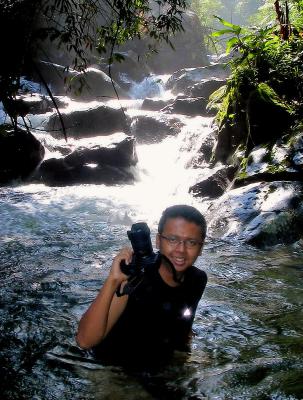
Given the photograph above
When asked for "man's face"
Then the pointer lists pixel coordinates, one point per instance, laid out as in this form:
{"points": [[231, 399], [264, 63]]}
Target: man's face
{"points": [[180, 242]]}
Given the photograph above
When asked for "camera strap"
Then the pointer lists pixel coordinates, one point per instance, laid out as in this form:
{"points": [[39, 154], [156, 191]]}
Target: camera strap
{"points": [[132, 283]]}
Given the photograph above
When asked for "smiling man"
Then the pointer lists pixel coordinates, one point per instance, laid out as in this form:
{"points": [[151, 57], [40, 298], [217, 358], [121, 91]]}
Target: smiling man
{"points": [[146, 326]]}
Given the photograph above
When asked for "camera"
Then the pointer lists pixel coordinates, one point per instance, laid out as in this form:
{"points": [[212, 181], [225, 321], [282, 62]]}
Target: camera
{"points": [[144, 256]]}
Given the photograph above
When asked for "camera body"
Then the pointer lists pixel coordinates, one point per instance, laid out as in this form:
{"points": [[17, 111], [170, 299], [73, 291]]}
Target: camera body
{"points": [[144, 256]]}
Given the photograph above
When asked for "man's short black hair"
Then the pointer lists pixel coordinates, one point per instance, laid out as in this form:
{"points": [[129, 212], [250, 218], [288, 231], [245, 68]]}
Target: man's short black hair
{"points": [[189, 213]]}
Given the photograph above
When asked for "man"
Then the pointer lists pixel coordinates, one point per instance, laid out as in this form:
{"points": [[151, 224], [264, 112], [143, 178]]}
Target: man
{"points": [[147, 325]]}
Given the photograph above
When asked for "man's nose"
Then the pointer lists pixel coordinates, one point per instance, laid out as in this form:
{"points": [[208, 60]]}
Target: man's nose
{"points": [[181, 244]]}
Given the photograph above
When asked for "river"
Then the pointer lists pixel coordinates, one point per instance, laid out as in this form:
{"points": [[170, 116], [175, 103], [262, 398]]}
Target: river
{"points": [[56, 246]]}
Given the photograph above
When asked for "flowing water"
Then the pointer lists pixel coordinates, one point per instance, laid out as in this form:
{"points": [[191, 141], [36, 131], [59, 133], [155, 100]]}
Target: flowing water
{"points": [[56, 247]]}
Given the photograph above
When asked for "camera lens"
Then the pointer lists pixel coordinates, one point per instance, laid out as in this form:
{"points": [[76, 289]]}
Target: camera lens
{"points": [[139, 235]]}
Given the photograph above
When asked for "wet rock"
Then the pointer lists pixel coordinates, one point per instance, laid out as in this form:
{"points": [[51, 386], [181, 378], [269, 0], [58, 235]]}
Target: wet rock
{"points": [[215, 185], [297, 150], [93, 121], [154, 104], [205, 88], [181, 81], [267, 115], [120, 152], [155, 127], [262, 214], [20, 154], [270, 163], [187, 106], [96, 163], [56, 172], [204, 153], [94, 84], [36, 103], [56, 76], [131, 68]]}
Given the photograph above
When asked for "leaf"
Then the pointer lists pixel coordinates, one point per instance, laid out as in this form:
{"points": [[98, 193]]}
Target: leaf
{"points": [[221, 32], [236, 28], [231, 43]]}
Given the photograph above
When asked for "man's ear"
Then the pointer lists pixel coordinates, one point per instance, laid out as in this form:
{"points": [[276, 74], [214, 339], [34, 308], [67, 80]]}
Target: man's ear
{"points": [[158, 241]]}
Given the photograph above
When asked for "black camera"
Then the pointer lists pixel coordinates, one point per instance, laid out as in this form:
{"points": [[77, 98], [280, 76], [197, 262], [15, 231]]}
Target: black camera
{"points": [[144, 256]]}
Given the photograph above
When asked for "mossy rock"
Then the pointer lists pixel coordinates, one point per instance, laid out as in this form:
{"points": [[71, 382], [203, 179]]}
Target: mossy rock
{"points": [[268, 116]]}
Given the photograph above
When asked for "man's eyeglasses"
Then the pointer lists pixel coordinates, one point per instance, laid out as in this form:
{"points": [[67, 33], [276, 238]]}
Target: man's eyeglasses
{"points": [[174, 241]]}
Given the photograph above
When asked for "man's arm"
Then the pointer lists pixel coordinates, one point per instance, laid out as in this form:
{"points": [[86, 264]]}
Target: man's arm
{"points": [[107, 307]]}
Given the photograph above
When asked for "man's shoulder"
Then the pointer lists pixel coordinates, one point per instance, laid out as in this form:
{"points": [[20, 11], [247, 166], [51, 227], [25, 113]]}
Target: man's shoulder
{"points": [[195, 273]]}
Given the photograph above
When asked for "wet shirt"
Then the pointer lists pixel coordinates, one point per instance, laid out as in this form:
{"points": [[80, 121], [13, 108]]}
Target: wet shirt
{"points": [[156, 321]]}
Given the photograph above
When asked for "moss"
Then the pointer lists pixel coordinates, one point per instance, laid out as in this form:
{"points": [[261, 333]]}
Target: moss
{"points": [[268, 95], [242, 174]]}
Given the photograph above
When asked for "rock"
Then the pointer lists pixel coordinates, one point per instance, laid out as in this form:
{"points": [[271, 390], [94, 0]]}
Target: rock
{"points": [[154, 104], [205, 88], [154, 127], [215, 185], [132, 68], [56, 76], [20, 154], [56, 172], [270, 163], [262, 214], [36, 103], [93, 163], [93, 121], [297, 150], [94, 84], [187, 106], [230, 136], [120, 152], [181, 81], [267, 115]]}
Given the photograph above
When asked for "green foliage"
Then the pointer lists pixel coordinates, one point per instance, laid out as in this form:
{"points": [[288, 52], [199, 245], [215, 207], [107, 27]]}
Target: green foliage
{"points": [[262, 56]]}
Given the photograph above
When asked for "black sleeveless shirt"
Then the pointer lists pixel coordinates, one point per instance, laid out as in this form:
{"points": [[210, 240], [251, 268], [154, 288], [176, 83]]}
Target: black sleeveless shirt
{"points": [[156, 321]]}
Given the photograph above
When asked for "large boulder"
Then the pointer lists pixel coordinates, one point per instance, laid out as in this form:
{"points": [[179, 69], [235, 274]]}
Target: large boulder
{"points": [[56, 76], [153, 104], [56, 172], [92, 121], [131, 68], [214, 185], [262, 214], [184, 79], [97, 163], [20, 154], [154, 127], [205, 87], [94, 84], [281, 161], [119, 152], [191, 106], [268, 116]]}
